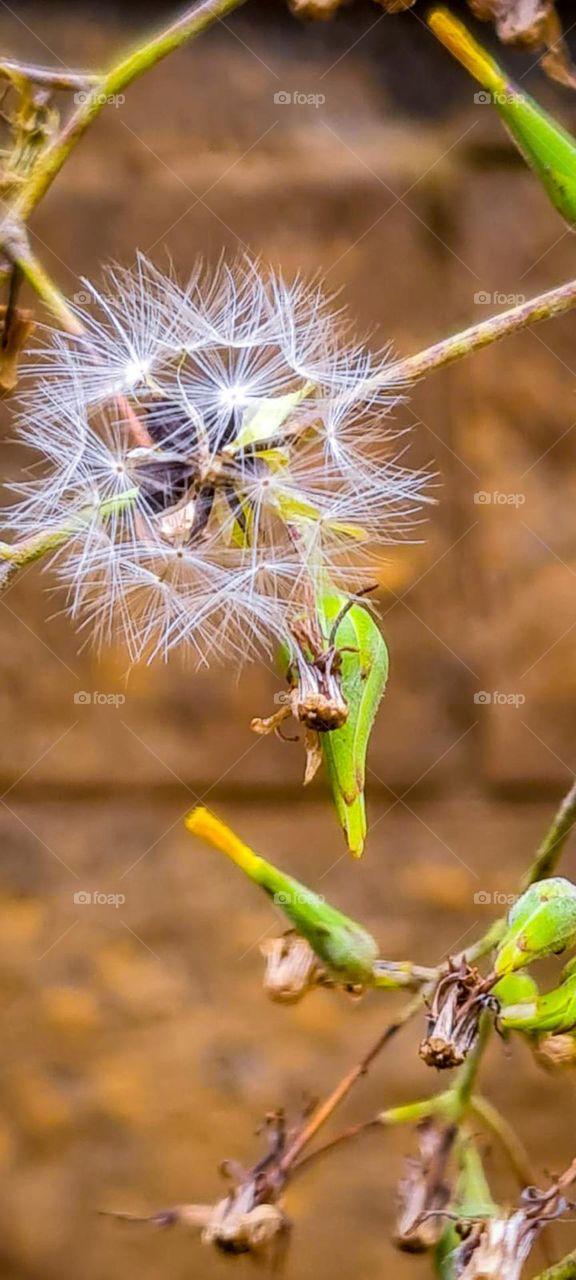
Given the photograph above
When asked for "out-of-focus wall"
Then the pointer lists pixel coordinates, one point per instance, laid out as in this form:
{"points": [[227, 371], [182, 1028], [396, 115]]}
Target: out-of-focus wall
{"points": [[138, 1050]]}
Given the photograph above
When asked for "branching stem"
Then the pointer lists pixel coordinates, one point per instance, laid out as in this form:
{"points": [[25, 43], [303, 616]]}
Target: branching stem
{"points": [[553, 303], [324, 1111]]}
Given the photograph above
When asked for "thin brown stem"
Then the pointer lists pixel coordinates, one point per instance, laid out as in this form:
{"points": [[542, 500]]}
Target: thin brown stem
{"points": [[323, 1112], [341, 1138]]}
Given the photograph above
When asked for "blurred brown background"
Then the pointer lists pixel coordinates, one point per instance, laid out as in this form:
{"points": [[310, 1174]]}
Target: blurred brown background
{"points": [[138, 1050]]}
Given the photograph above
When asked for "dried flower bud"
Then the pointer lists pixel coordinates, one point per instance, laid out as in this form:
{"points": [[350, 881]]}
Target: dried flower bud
{"points": [[292, 968], [459, 999], [423, 1191], [498, 1249], [248, 1219], [556, 1052], [235, 1230]]}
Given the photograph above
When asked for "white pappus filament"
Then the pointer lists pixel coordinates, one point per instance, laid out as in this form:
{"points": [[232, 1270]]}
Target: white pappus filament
{"points": [[211, 450]]}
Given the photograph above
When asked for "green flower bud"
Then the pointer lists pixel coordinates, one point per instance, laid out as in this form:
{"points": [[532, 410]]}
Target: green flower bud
{"points": [[542, 922], [548, 1014], [344, 947]]}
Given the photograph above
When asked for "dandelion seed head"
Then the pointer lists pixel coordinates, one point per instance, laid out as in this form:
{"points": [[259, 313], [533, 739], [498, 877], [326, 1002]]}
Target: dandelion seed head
{"points": [[211, 448]]}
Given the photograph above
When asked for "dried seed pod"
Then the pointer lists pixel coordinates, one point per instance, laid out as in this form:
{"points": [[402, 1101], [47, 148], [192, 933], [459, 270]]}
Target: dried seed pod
{"points": [[424, 1191], [497, 1248], [453, 1021], [249, 1219], [292, 968], [555, 1053]]}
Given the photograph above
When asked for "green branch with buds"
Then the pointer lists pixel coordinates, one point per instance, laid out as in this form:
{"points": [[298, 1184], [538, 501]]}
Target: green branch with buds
{"points": [[326, 948]]}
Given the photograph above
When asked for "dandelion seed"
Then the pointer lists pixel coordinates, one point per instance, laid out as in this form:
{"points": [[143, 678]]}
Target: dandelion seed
{"points": [[215, 451]]}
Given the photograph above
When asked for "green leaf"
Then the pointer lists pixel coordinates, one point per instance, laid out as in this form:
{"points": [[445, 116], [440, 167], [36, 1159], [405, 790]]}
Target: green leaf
{"points": [[346, 949], [546, 146], [263, 425], [542, 922], [364, 676]]}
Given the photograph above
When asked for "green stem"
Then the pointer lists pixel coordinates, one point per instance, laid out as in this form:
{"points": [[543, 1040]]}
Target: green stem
{"points": [[507, 1137], [192, 23], [551, 848], [17, 248], [487, 942], [322, 1113], [553, 303], [410, 1113], [18, 554], [466, 1078], [563, 1270], [544, 863]]}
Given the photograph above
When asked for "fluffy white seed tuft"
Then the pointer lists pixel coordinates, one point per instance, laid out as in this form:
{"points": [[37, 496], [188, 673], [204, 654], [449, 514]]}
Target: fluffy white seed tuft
{"points": [[212, 450]]}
